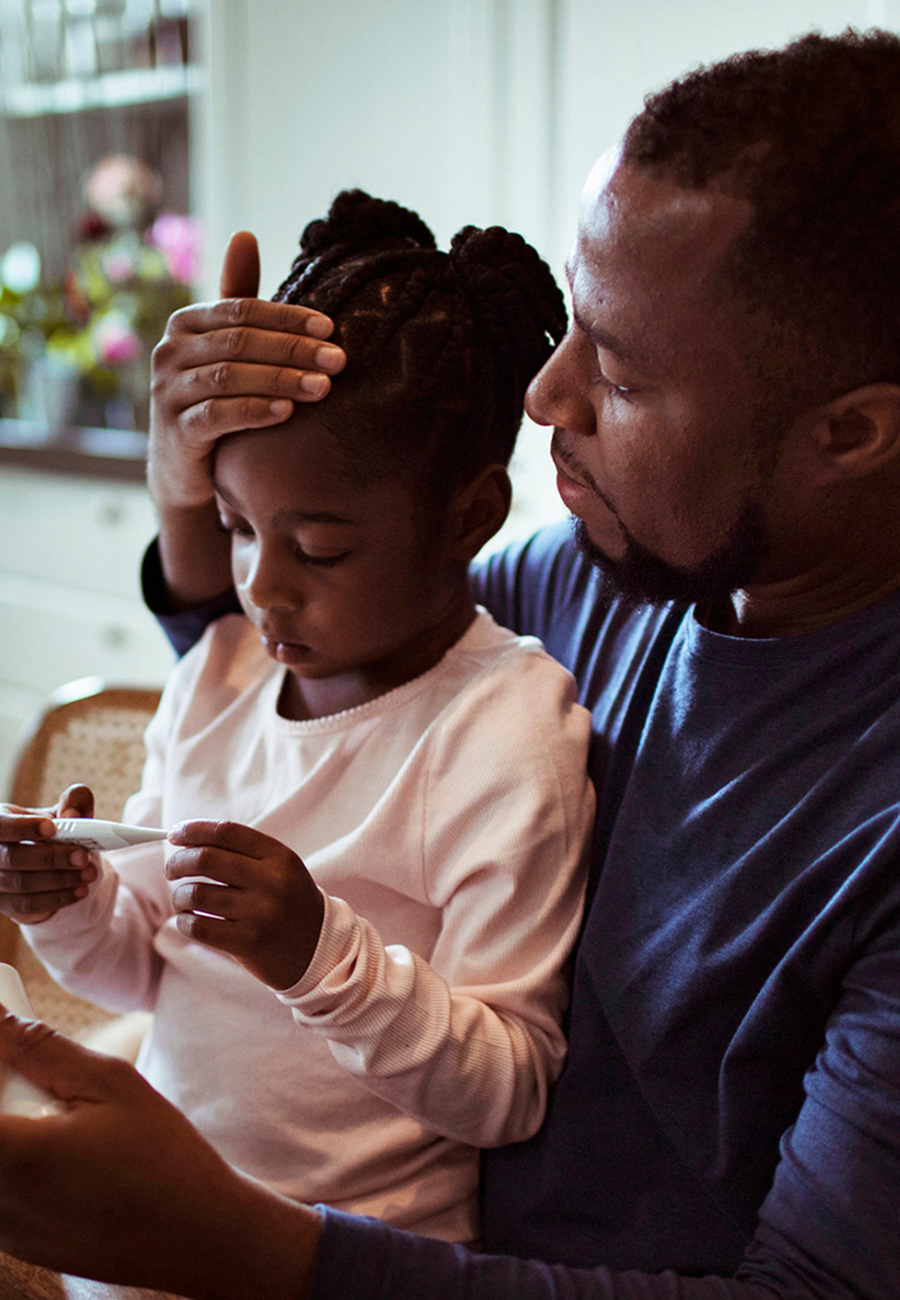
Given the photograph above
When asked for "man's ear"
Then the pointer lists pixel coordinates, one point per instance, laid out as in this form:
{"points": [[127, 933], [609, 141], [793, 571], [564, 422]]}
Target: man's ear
{"points": [[858, 433], [479, 510]]}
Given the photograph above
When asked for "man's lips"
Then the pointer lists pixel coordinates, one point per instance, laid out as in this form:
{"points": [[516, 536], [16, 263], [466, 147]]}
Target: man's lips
{"points": [[576, 496]]}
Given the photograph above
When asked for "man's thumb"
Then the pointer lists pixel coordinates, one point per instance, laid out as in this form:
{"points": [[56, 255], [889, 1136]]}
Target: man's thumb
{"points": [[56, 1064], [240, 267]]}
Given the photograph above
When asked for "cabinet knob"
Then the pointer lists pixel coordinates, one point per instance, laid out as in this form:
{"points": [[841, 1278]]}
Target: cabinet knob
{"points": [[110, 514], [114, 636]]}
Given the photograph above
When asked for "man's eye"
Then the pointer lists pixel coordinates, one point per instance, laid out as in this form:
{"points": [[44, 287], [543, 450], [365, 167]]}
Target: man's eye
{"points": [[616, 390]]}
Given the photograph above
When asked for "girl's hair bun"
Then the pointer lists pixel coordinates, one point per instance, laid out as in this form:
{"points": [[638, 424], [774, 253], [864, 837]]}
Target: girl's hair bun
{"points": [[358, 221], [507, 276], [511, 287]]}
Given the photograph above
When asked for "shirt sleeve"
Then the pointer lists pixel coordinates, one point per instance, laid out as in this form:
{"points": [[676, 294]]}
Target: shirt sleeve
{"points": [[827, 1229], [102, 947], [186, 628], [470, 1041], [366, 1259]]}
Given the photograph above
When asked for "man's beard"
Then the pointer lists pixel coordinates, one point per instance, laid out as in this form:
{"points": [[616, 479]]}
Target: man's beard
{"points": [[642, 578]]}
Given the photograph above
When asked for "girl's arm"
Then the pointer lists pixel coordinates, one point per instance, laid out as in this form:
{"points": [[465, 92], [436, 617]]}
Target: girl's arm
{"points": [[469, 1041], [101, 948]]}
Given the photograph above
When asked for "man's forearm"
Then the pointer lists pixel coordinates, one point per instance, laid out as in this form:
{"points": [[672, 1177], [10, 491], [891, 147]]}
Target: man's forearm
{"points": [[195, 555], [369, 1261]]}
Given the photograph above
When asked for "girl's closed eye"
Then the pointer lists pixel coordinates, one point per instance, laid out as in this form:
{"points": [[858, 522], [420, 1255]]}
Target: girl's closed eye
{"points": [[239, 526], [319, 561]]}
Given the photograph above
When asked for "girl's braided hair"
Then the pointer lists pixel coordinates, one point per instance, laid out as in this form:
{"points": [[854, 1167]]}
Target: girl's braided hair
{"points": [[440, 346]]}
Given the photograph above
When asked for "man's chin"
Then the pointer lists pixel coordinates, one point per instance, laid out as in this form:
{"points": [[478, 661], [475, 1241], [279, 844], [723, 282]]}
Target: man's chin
{"points": [[641, 578]]}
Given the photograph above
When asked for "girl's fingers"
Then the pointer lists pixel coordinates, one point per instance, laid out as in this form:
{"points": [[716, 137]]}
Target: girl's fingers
{"points": [[214, 864], [232, 836], [212, 931], [31, 908], [212, 900], [40, 882], [16, 827]]}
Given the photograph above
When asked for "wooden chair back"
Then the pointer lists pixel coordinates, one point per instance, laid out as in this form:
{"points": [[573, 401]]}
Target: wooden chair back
{"points": [[92, 733]]}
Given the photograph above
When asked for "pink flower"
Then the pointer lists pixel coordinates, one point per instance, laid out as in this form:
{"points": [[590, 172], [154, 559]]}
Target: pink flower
{"points": [[123, 190], [178, 239], [118, 266], [116, 341]]}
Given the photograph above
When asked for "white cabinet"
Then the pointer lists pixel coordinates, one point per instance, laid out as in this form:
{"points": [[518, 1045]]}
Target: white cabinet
{"points": [[70, 604]]}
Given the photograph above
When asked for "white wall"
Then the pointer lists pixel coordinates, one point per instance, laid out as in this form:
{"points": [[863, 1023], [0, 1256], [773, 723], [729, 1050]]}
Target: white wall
{"points": [[468, 110]]}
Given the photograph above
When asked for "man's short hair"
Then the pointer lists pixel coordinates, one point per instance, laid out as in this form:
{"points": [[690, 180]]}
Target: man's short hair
{"points": [[811, 136]]}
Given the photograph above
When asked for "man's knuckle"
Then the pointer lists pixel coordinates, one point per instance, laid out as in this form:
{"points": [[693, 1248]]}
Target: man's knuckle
{"points": [[220, 376], [238, 310], [235, 341]]}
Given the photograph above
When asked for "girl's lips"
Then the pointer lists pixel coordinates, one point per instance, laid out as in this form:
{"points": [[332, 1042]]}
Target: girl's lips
{"points": [[286, 652]]}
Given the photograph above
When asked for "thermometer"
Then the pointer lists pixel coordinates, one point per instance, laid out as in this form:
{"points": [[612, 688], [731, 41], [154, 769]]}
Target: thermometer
{"points": [[91, 833]]}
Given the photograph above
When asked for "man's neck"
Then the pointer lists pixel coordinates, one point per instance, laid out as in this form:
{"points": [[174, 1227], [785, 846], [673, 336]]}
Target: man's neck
{"points": [[797, 606]]}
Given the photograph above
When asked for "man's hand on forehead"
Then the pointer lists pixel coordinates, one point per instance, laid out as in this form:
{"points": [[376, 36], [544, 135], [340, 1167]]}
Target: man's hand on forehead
{"points": [[240, 363]]}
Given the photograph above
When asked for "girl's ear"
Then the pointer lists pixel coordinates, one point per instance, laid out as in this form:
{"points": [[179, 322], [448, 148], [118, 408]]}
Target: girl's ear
{"points": [[478, 511]]}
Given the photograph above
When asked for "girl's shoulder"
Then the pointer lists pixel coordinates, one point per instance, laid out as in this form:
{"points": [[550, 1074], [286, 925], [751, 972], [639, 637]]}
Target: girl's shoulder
{"points": [[226, 661]]}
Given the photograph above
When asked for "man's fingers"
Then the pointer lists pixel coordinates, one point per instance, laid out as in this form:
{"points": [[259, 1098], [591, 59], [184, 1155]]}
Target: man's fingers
{"points": [[240, 267], [257, 347], [239, 377], [65, 1069], [250, 314]]}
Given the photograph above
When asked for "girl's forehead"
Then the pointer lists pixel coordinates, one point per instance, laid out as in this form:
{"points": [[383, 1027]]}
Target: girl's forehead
{"points": [[302, 465]]}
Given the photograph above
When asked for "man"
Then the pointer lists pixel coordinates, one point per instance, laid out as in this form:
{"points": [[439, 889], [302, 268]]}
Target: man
{"points": [[727, 431]]}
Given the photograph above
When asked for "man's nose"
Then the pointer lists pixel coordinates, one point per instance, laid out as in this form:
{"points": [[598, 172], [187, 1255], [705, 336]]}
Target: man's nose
{"points": [[557, 394]]}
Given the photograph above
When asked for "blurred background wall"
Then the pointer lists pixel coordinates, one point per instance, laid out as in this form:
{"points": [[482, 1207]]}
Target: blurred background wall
{"points": [[252, 114]]}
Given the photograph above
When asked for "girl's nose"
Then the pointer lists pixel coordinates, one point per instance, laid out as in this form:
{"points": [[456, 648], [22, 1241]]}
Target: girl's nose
{"points": [[558, 394], [272, 581]]}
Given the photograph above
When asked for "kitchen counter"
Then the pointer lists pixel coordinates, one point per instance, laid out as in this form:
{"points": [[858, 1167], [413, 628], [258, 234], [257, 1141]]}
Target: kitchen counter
{"points": [[116, 454]]}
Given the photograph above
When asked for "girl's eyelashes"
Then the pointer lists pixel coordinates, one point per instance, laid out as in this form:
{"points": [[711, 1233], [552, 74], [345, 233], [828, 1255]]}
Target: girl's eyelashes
{"points": [[320, 561], [240, 528], [233, 525]]}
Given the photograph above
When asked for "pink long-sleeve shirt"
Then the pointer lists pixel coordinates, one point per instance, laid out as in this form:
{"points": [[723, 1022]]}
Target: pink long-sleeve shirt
{"points": [[446, 823]]}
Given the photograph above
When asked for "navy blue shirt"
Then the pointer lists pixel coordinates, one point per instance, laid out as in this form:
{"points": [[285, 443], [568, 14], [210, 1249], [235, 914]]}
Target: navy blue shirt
{"points": [[730, 1105]]}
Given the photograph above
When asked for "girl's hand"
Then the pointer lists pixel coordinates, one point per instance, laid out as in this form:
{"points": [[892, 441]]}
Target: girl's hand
{"points": [[264, 907], [37, 877], [236, 364]]}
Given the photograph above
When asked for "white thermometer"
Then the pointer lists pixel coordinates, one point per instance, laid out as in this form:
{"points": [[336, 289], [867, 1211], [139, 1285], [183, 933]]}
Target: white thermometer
{"points": [[18, 1096], [91, 833]]}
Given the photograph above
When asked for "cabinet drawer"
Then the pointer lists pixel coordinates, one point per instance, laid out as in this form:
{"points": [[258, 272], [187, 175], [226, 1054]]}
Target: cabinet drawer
{"points": [[87, 534], [51, 636]]}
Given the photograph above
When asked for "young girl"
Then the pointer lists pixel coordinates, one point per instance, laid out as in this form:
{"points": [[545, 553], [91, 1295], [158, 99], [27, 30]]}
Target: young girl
{"points": [[352, 1026]]}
